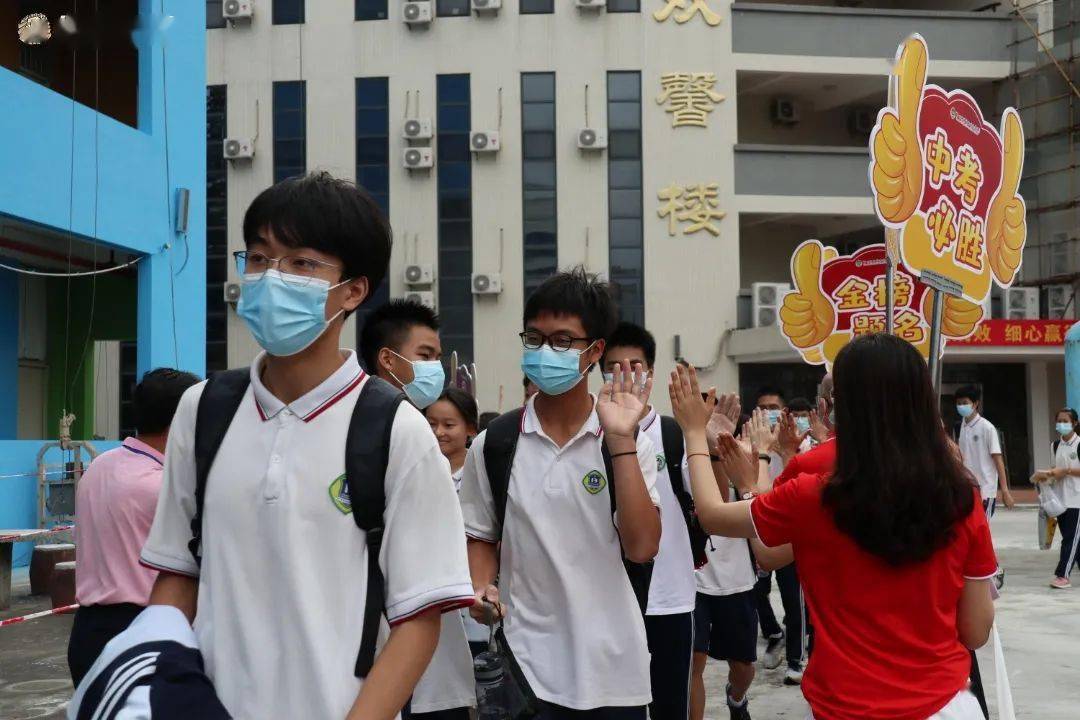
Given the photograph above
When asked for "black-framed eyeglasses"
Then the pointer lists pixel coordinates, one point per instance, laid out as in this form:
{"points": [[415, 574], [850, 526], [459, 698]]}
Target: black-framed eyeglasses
{"points": [[294, 269], [560, 342]]}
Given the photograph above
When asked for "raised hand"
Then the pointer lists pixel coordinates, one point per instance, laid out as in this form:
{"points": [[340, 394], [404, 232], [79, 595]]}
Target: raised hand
{"points": [[762, 436], [740, 467], [897, 172], [725, 418], [691, 411], [807, 315], [819, 428], [789, 438], [622, 401], [1006, 222]]}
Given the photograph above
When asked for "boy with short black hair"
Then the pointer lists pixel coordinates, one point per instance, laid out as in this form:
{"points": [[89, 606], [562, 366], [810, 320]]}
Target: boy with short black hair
{"points": [[981, 448], [669, 616], [559, 467], [400, 343], [282, 589]]}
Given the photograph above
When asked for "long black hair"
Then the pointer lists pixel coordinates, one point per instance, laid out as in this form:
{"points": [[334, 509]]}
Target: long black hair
{"points": [[900, 486]]}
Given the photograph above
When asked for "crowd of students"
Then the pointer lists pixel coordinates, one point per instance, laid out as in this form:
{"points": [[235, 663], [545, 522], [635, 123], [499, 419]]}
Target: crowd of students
{"points": [[619, 548]]}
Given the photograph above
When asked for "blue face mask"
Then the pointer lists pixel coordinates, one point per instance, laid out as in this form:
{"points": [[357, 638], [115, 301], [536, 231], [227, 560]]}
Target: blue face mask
{"points": [[553, 372], [285, 317], [427, 383], [1064, 428], [802, 423], [965, 410], [773, 416]]}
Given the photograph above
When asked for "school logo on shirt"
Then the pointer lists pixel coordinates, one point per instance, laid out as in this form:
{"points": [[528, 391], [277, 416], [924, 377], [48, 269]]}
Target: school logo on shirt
{"points": [[339, 495], [594, 481], [661, 462]]}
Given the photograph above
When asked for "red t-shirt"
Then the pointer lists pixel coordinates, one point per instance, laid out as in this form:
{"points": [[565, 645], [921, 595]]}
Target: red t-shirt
{"points": [[817, 461], [885, 644]]}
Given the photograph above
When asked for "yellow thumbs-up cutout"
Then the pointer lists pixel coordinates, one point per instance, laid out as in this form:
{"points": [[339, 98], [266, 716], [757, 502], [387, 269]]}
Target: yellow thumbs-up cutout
{"points": [[958, 316], [1006, 223], [897, 173], [807, 316]]}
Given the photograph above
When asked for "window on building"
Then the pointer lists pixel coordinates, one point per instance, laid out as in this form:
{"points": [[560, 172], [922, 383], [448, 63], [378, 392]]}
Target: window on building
{"points": [[623, 6], [214, 18], [537, 7], [451, 8], [625, 241], [288, 12], [540, 248], [290, 129], [373, 164], [454, 174], [371, 10], [217, 235]]}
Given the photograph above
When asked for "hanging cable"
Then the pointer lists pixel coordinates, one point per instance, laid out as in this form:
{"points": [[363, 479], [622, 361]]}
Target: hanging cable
{"points": [[86, 273], [71, 211], [499, 127], [168, 193]]}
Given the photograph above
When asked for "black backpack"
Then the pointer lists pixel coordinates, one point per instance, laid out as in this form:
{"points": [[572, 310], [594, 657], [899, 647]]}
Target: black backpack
{"points": [[367, 454], [672, 438], [500, 444]]}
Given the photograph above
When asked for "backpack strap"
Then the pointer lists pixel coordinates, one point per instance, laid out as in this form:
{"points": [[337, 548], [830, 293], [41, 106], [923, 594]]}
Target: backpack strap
{"points": [[220, 399], [367, 455], [500, 444], [672, 438]]}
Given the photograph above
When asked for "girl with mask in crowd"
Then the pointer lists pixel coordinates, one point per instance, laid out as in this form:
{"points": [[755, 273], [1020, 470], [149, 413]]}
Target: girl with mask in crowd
{"points": [[893, 546], [1063, 479]]}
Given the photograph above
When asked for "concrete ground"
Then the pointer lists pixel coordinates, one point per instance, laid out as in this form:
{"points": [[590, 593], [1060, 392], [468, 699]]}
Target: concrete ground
{"points": [[1040, 629]]}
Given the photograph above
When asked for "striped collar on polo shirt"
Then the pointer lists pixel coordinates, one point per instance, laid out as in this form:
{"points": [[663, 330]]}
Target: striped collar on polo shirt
{"points": [[309, 406], [530, 423]]}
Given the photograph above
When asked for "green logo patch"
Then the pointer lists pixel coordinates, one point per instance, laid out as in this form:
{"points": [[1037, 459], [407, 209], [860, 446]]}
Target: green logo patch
{"points": [[661, 462], [594, 481], [339, 495]]}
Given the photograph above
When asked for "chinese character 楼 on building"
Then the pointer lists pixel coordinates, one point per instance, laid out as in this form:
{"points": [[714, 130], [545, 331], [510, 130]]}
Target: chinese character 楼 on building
{"points": [[689, 97], [697, 205]]}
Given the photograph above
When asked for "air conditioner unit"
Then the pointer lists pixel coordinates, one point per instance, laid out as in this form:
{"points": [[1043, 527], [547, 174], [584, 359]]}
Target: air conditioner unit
{"points": [[424, 297], [417, 12], [1021, 303], [592, 139], [785, 111], [416, 129], [486, 6], [418, 158], [237, 9], [231, 291], [765, 301], [486, 283], [1060, 303], [590, 4], [1061, 260], [484, 141], [861, 120], [238, 148], [418, 274]]}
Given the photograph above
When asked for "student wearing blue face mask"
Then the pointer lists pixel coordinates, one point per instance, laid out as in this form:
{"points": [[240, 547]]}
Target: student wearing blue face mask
{"points": [[555, 496], [288, 581], [400, 343], [1063, 479], [799, 409]]}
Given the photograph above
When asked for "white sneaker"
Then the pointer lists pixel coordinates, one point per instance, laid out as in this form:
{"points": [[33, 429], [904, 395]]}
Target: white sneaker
{"points": [[793, 676], [773, 647]]}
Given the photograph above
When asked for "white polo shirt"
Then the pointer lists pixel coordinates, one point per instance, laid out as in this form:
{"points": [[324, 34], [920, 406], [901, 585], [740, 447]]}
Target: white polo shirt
{"points": [[284, 571], [1066, 457], [672, 589], [978, 444], [730, 567], [572, 621]]}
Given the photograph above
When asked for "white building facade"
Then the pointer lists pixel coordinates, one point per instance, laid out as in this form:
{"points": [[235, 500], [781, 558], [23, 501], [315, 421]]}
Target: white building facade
{"points": [[734, 130]]}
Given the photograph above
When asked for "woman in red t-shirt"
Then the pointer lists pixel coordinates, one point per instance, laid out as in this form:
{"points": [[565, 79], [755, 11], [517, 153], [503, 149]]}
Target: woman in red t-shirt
{"points": [[893, 549]]}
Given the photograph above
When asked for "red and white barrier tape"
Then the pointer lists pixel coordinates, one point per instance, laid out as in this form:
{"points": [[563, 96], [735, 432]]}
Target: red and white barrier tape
{"points": [[44, 532], [35, 616]]}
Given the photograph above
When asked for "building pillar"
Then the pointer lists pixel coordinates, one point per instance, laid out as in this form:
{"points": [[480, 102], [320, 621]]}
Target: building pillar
{"points": [[1038, 411], [172, 312]]}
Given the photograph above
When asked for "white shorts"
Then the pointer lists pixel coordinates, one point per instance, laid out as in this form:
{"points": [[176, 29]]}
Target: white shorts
{"points": [[962, 707]]}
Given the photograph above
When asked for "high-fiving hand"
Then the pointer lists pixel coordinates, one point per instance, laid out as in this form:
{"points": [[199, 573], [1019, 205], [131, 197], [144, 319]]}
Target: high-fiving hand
{"points": [[691, 410], [622, 401]]}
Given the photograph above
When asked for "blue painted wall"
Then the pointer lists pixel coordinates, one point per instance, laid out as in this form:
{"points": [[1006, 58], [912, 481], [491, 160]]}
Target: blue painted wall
{"points": [[137, 171]]}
